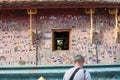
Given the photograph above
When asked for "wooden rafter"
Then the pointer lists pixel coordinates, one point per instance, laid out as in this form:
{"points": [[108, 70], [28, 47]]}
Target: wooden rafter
{"points": [[60, 6], [30, 4]]}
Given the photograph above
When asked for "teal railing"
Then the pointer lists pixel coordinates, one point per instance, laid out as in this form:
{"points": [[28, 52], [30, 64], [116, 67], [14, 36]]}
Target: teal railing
{"points": [[53, 72]]}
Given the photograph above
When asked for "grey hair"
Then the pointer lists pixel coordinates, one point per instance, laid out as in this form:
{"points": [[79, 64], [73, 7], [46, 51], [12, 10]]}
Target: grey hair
{"points": [[79, 58]]}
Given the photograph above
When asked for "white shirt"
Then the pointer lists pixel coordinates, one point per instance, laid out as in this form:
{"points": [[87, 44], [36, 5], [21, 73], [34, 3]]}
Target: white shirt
{"points": [[78, 76]]}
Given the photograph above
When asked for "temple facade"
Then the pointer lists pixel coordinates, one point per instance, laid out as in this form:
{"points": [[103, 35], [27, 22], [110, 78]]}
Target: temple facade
{"points": [[52, 32]]}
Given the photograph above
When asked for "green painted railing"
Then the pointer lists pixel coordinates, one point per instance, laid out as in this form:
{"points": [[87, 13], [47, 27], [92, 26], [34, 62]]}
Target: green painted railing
{"points": [[55, 72]]}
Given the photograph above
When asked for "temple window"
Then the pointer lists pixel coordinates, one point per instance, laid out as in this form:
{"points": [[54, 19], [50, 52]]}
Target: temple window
{"points": [[61, 40]]}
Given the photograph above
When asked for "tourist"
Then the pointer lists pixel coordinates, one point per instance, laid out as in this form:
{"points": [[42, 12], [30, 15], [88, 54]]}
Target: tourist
{"points": [[77, 72]]}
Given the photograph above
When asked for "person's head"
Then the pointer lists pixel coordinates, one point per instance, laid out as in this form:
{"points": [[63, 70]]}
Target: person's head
{"points": [[79, 60]]}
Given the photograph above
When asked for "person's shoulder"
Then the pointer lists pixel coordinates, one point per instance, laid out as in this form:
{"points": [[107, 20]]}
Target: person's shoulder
{"points": [[71, 69], [88, 75], [86, 71]]}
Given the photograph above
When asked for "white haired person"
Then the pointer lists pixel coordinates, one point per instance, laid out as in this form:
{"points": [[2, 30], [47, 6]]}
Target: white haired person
{"points": [[77, 72]]}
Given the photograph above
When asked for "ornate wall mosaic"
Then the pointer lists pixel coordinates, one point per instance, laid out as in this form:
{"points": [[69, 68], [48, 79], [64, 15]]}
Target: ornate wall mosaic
{"points": [[15, 35]]}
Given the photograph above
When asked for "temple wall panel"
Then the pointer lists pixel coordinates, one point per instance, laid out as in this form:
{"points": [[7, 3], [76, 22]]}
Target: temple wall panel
{"points": [[15, 35], [15, 39]]}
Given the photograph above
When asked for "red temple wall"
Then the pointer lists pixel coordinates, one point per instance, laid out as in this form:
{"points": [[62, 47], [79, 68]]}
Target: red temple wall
{"points": [[15, 37]]}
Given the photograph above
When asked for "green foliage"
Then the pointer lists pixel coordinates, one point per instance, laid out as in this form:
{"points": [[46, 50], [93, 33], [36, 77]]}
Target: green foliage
{"points": [[22, 62], [2, 58]]}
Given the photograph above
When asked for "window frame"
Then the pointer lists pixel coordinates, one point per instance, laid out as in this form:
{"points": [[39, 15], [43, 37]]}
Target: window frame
{"points": [[53, 38]]}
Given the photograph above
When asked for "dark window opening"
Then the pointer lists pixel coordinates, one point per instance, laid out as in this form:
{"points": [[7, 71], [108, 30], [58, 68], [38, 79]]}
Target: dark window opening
{"points": [[61, 40]]}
